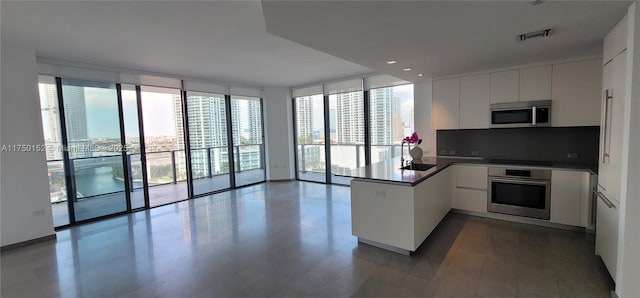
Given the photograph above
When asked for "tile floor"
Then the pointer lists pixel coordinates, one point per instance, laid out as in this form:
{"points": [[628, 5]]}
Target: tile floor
{"points": [[293, 239]]}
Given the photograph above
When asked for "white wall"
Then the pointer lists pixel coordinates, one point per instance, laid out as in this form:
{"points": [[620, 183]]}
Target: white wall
{"points": [[629, 236], [24, 193], [422, 115], [278, 133]]}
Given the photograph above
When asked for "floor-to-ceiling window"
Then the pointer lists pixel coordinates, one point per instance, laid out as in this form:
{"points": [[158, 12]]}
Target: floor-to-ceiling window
{"points": [[119, 147], [164, 144], [96, 165], [247, 132], [390, 120], [340, 124], [310, 137], [207, 119]]}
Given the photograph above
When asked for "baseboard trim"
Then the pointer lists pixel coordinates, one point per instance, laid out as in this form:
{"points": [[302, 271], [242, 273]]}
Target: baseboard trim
{"points": [[28, 242], [385, 246], [281, 180], [519, 219]]}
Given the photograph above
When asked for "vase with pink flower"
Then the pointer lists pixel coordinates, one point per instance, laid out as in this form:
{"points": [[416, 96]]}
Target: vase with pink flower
{"points": [[415, 152]]}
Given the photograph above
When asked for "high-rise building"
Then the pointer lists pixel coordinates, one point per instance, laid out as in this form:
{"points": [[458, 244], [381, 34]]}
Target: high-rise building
{"points": [[75, 114], [50, 118], [304, 119], [384, 108], [246, 121], [178, 121], [207, 134], [350, 118]]}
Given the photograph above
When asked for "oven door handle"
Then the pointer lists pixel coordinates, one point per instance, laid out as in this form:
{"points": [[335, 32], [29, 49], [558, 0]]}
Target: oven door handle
{"points": [[521, 181]]}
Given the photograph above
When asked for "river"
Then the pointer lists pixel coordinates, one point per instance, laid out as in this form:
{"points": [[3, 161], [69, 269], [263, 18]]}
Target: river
{"points": [[96, 181]]}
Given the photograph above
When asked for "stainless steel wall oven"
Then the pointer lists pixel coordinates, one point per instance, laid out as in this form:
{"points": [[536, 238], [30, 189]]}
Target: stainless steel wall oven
{"points": [[519, 191]]}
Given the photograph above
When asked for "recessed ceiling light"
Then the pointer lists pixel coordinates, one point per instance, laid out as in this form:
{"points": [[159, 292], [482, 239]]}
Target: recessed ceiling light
{"points": [[407, 69], [420, 74], [392, 62]]}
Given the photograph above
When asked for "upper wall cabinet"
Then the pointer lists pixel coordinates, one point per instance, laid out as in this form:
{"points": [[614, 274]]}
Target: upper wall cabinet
{"points": [[474, 101], [446, 104], [615, 42], [535, 83], [504, 86], [576, 93]]}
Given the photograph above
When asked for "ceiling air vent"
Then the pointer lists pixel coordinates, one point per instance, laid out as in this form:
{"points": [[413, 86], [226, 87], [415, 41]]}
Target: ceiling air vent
{"points": [[534, 34]]}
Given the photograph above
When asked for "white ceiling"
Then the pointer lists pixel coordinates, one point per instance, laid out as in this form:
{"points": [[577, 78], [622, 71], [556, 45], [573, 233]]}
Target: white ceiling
{"points": [[444, 38], [226, 42]]}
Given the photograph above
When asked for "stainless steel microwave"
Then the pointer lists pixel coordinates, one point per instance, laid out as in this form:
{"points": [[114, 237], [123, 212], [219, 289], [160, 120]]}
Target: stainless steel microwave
{"points": [[521, 114]]}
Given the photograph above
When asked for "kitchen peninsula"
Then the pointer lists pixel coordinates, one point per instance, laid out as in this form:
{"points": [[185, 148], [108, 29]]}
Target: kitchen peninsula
{"points": [[397, 209]]}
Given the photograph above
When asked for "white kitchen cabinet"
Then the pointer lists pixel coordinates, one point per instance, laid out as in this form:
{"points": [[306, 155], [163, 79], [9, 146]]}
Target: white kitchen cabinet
{"points": [[445, 112], [614, 74], [396, 215], [475, 96], [575, 90], [504, 86], [616, 41], [570, 198], [470, 188], [474, 177], [535, 83], [611, 128], [607, 233]]}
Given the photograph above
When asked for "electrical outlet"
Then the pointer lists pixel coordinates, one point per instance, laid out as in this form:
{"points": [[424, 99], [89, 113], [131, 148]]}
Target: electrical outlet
{"points": [[38, 212], [475, 153], [381, 193], [573, 155]]}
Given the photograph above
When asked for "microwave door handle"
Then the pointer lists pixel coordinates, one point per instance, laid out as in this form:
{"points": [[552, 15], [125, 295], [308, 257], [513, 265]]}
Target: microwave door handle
{"points": [[533, 110]]}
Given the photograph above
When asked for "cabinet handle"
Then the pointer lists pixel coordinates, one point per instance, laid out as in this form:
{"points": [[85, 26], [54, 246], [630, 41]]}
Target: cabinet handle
{"points": [[607, 126], [606, 201]]}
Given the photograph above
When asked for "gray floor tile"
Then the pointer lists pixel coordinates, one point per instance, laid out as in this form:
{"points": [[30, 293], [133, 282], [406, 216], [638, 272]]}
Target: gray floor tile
{"points": [[293, 239]]}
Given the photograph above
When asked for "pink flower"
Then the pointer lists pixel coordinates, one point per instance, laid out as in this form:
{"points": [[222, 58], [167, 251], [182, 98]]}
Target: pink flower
{"points": [[413, 139]]}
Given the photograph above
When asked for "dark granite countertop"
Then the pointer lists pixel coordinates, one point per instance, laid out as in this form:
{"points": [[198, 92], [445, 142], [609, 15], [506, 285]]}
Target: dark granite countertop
{"points": [[389, 171]]}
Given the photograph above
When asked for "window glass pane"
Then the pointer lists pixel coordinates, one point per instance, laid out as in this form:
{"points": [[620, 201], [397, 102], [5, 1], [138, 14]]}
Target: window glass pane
{"points": [[346, 116], [310, 137], [391, 119], [93, 133], [246, 120], [208, 140], [50, 113], [164, 144]]}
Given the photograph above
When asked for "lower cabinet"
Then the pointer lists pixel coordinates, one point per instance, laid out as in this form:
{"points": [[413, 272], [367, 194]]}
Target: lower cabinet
{"points": [[607, 233], [570, 198], [470, 188], [470, 200]]}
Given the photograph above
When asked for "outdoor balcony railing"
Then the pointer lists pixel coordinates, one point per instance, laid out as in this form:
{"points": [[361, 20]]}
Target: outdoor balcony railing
{"points": [[102, 175]]}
